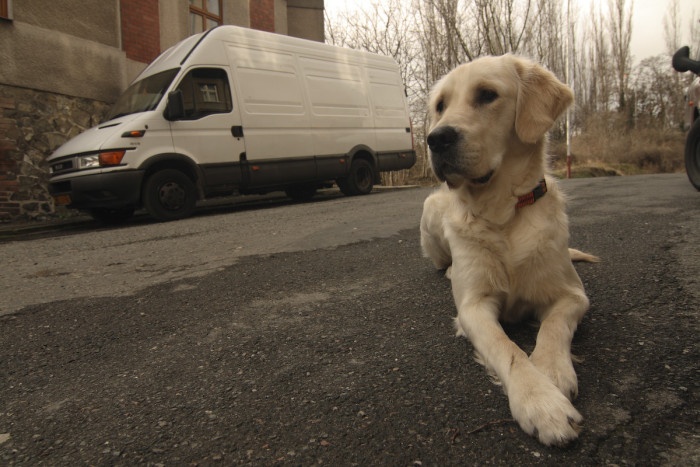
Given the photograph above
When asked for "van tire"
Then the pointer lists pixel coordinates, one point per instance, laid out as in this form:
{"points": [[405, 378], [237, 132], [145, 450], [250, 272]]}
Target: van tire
{"points": [[692, 155], [169, 195], [360, 179]]}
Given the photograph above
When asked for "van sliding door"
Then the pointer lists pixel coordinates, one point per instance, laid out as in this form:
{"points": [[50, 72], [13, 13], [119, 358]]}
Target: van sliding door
{"points": [[279, 146]]}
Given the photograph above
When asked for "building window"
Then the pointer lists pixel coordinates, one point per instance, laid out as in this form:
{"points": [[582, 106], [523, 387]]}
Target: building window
{"points": [[204, 15], [6, 9]]}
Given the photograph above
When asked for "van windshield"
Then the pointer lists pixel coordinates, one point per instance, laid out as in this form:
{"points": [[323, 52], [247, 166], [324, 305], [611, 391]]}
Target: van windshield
{"points": [[142, 95]]}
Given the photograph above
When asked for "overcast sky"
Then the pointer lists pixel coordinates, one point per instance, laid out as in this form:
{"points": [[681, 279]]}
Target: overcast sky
{"points": [[647, 26]]}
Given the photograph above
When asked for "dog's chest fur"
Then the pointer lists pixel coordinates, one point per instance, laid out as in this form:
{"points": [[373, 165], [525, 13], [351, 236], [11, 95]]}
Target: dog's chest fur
{"points": [[510, 259]]}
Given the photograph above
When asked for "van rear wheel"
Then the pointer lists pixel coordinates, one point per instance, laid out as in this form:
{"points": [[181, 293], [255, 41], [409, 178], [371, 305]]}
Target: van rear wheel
{"points": [[360, 179], [169, 195]]}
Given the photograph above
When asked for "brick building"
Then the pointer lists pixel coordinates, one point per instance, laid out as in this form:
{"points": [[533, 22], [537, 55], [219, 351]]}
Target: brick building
{"points": [[63, 62]]}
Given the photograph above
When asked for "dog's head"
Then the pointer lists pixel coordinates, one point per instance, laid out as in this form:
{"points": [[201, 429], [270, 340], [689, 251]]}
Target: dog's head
{"points": [[482, 110]]}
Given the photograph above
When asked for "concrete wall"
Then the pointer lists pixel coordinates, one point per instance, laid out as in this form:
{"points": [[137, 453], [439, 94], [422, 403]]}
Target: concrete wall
{"points": [[305, 19], [281, 17], [47, 48], [97, 21]]}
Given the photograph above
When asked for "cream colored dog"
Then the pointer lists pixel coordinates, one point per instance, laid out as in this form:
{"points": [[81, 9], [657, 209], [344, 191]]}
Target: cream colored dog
{"points": [[500, 229]]}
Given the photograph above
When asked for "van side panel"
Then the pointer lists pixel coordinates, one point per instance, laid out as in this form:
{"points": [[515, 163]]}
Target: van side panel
{"points": [[340, 110], [271, 102], [279, 172]]}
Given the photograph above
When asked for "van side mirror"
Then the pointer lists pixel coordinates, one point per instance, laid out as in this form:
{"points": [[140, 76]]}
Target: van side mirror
{"points": [[175, 108]]}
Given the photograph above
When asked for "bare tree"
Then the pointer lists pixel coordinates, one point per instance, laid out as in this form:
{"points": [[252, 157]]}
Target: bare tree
{"points": [[658, 96], [545, 42], [672, 27], [695, 35], [620, 24], [595, 71], [504, 23]]}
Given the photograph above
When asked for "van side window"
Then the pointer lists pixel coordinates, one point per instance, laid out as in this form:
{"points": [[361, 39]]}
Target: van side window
{"points": [[205, 91]]}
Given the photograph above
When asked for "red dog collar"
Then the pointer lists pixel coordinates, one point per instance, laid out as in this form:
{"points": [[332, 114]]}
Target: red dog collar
{"points": [[530, 198]]}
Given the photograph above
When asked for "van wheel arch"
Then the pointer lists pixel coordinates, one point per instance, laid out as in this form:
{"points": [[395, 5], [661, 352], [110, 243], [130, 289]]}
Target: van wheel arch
{"points": [[171, 187], [362, 174], [178, 162]]}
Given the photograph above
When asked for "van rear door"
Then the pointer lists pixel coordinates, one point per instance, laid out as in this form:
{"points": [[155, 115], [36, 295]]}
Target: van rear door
{"points": [[210, 132]]}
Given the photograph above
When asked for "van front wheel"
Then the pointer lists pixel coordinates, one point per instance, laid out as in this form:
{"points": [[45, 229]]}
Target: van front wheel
{"points": [[360, 179], [169, 195]]}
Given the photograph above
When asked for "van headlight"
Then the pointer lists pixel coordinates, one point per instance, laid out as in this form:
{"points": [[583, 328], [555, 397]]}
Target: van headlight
{"points": [[89, 161], [103, 159]]}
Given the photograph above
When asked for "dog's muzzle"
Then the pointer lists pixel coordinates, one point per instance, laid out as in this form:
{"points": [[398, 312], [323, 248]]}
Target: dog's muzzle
{"points": [[445, 159], [442, 141]]}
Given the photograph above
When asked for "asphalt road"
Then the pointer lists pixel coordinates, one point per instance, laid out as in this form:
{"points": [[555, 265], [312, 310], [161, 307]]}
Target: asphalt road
{"points": [[315, 333]]}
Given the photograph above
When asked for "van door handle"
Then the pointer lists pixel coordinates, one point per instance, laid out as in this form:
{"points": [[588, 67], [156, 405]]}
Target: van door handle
{"points": [[237, 131]]}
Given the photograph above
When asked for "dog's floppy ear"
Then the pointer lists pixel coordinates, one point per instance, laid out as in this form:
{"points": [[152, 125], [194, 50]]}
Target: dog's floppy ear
{"points": [[541, 100]]}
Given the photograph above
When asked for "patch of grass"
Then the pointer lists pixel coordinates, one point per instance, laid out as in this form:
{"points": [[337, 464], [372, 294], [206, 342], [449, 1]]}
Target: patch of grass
{"points": [[593, 169], [607, 146]]}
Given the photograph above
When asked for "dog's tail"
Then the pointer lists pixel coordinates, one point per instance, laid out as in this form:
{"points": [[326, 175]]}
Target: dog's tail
{"points": [[577, 255]]}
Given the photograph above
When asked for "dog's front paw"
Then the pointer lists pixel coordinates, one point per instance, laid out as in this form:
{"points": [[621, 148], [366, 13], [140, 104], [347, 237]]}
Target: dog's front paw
{"points": [[543, 411], [559, 370]]}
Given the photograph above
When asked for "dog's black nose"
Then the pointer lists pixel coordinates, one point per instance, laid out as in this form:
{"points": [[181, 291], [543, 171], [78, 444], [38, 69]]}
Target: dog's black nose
{"points": [[441, 138]]}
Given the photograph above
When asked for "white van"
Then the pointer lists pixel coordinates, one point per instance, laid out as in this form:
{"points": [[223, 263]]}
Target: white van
{"points": [[244, 112]]}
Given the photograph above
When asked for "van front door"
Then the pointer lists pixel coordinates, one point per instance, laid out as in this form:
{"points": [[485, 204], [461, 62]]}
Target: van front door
{"points": [[210, 131]]}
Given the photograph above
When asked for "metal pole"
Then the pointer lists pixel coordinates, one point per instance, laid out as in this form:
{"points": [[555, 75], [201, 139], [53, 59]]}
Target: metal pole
{"points": [[568, 110]]}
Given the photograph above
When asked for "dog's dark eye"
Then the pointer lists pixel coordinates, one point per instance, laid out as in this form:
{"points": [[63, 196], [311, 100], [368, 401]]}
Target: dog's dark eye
{"points": [[440, 107], [486, 96]]}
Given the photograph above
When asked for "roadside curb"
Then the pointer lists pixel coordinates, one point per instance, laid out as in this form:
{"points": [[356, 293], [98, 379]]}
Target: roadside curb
{"points": [[26, 227]]}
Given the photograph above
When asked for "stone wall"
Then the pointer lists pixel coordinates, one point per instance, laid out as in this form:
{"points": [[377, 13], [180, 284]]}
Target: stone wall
{"points": [[32, 125]]}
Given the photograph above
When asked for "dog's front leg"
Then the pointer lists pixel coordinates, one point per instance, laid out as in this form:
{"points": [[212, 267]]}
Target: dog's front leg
{"points": [[536, 403], [432, 235], [552, 354]]}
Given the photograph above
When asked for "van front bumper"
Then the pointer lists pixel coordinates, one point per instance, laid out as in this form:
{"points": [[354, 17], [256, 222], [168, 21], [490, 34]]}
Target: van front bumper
{"points": [[105, 190]]}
